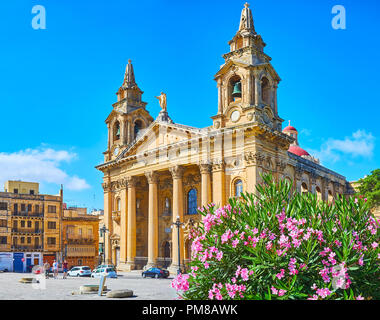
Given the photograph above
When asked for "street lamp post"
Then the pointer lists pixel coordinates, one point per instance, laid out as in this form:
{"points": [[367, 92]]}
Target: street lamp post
{"points": [[178, 224], [104, 230]]}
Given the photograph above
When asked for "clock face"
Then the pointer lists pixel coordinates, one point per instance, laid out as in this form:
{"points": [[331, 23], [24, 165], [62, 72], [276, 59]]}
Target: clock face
{"points": [[235, 116]]}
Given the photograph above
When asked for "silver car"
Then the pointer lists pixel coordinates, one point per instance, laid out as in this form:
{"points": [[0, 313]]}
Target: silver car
{"points": [[107, 272], [81, 271]]}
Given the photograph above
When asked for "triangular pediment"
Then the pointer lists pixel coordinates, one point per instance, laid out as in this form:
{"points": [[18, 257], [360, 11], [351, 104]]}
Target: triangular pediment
{"points": [[161, 135]]}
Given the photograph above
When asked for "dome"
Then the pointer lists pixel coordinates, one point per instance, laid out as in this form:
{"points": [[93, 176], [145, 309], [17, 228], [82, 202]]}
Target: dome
{"points": [[289, 128], [298, 151]]}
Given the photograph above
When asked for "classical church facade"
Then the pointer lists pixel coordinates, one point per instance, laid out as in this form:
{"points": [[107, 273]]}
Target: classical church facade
{"points": [[157, 171]]}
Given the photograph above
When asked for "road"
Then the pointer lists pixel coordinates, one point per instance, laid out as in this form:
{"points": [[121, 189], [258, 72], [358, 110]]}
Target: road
{"points": [[62, 289]]}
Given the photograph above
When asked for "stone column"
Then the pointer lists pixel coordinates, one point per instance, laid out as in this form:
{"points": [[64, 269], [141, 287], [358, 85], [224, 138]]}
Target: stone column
{"points": [[122, 131], [205, 184], [152, 178], [123, 227], [131, 227], [298, 179], [249, 90], [251, 162], [257, 90], [220, 97], [218, 183], [177, 174], [275, 98], [108, 220], [313, 182], [325, 187], [109, 136]]}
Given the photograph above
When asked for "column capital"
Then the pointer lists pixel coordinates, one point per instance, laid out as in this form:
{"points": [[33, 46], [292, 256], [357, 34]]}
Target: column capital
{"points": [[218, 165], [177, 171], [131, 181], [252, 158], [151, 176], [205, 168]]}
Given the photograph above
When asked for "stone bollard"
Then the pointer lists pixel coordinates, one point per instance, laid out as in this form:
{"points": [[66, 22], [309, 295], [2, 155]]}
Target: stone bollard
{"points": [[27, 280], [90, 288], [119, 294]]}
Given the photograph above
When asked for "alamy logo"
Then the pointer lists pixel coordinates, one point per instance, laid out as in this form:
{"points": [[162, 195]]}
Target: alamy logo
{"points": [[39, 20], [339, 20]]}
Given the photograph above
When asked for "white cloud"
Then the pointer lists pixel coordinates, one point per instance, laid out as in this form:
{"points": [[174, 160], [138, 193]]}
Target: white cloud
{"points": [[360, 144], [39, 165]]}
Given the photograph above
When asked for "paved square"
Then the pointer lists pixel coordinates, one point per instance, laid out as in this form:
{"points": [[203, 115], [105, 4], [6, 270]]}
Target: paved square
{"points": [[61, 289]]}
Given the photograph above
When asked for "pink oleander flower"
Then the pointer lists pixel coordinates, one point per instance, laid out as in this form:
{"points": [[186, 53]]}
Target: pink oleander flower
{"points": [[206, 265], [281, 292], [219, 255], [235, 243], [180, 282], [323, 293], [314, 297], [359, 297], [374, 245], [281, 274], [274, 290], [244, 274]]}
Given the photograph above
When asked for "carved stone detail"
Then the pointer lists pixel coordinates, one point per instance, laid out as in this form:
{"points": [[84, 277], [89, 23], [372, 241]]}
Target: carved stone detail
{"points": [[177, 172], [152, 177], [252, 158], [218, 165], [131, 182]]}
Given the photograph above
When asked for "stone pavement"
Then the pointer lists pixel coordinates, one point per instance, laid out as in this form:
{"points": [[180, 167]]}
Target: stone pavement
{"points": [[61, 289]]}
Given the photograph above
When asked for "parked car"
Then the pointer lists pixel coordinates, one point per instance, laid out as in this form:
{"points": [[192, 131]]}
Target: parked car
{"points": [[104, 266], [107, 272], [3, 269], [155, 273], [82, 271]]}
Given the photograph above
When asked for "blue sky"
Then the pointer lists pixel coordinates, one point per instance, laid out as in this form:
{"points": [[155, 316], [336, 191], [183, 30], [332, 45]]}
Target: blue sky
{"points": [[57, 85]]}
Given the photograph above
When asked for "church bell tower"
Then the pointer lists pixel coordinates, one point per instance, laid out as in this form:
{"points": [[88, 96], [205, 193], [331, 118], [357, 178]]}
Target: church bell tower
{"points": [[247, 82], [129, 117]]}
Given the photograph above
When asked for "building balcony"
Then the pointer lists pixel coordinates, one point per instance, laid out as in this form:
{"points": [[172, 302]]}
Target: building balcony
{"points": [[4, 246], [77, 239], [22, 247], [27, 231], [4, 230], [51, 247], [28, 214], [4, 213]]}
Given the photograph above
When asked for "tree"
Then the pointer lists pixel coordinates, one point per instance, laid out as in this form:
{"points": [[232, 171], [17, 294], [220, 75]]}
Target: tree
{"points": [[370, 188]]}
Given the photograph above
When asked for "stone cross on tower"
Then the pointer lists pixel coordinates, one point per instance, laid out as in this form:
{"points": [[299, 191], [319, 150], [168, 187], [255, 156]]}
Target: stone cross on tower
{"points": [[246, 20], [129, 77]]}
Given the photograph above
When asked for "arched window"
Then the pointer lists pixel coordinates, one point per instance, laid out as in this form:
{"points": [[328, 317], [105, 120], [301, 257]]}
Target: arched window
{"points": [[319, 193], [238, 188], [304, 188], [265, 91], [116, 131], [118, 205], [235, 89], [192, 202]]}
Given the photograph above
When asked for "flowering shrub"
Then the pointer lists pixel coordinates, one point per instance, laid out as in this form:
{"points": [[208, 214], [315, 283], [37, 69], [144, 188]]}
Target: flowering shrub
{"points": [[280, 245]]}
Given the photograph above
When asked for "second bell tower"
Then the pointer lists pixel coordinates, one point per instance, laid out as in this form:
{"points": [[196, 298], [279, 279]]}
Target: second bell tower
{"points": [[247, 82]]}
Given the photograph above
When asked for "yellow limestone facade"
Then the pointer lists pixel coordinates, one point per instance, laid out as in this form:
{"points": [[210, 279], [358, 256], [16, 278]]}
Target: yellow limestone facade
{"points": [[156, 171]]}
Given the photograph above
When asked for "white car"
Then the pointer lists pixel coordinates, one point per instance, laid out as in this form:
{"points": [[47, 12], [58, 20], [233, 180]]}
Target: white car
{"points": [[82, 271], [107, 272]]}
